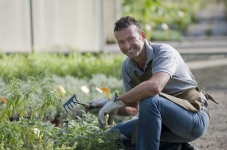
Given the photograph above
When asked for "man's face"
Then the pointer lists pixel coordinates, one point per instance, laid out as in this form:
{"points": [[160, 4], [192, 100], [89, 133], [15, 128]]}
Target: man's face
{"points": [[130, 41]]}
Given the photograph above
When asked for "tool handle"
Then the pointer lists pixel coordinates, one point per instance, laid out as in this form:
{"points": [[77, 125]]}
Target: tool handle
{"points": [[110, 120], [88, 106]]}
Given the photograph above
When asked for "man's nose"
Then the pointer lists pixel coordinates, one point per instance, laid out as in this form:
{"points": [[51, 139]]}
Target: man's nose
{"points": [[127, 45]]}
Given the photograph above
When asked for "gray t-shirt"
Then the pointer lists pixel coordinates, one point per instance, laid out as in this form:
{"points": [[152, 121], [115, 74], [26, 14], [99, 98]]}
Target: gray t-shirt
{"points": [[164, 59]]}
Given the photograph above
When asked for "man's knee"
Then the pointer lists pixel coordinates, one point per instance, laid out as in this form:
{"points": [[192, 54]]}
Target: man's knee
{"points": [[150, 101]]}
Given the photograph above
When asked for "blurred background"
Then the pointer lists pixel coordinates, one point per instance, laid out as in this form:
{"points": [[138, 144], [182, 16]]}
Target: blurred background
{"points": [[87, 26], [44, 45]]}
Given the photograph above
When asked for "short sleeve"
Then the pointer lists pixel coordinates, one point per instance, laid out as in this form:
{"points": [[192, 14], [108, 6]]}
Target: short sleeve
{"points": [[164, 60]]}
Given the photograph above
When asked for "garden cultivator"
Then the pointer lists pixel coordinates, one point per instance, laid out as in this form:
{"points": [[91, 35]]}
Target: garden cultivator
{"points": [[73, 100]]}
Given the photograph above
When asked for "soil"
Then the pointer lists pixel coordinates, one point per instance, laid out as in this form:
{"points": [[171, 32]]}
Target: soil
{"points": [[214, 81]]}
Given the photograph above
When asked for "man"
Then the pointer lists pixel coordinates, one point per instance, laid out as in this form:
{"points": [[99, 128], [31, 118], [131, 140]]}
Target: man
{"points": [[160, 87]]}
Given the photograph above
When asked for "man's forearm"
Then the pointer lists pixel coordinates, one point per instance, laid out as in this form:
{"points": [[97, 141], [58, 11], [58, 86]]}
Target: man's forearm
{"points": [[146, 89], [127, 111], [141, 91]]}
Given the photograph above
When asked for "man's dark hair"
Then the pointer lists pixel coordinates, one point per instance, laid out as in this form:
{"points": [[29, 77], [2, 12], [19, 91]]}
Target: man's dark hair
{"points": [[126, 21]]}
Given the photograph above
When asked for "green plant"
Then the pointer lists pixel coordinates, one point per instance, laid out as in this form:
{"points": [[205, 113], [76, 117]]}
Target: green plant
{"points": [[81, 66], [161, 35], [29, 98], [88, 136], [82, 133], [71, 84], [175, 15]]}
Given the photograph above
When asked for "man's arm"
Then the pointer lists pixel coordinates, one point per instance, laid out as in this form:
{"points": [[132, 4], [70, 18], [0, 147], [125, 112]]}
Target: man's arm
{"points": [[131, 109], [145, 89]]}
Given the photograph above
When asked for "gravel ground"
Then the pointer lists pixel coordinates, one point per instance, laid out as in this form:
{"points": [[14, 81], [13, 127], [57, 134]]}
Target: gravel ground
{"points": [[214, 81]]}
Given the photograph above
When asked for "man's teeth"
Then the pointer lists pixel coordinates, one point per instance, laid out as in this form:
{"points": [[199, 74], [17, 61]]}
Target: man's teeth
{"points": [[130, 50]]}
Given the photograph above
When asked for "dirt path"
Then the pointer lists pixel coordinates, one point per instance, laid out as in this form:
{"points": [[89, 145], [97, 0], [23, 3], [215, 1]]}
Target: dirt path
{"points": [[211, 79], [214, 81]]}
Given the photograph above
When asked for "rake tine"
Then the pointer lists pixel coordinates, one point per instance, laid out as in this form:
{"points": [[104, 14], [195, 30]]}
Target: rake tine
{"points": [[65, 110], [70, 101], [66, 105]]}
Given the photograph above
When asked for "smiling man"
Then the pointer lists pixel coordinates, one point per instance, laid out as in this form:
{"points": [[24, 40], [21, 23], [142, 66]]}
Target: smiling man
{"points": [[161, 88]]}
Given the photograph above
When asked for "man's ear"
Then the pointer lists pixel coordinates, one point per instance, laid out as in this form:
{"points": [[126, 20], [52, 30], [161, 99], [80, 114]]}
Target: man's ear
{"points": [[143, 35]]}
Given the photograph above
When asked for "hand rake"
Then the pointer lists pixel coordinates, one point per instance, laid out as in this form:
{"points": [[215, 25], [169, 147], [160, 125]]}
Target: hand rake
{"points": [[88, 106], [73, 100]]}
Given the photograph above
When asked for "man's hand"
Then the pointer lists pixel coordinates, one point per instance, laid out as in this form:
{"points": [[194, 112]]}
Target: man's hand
{"points": [[109, 108], [96, 105]]}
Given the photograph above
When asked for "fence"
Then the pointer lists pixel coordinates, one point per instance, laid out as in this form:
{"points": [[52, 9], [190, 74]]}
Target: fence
{"points": [[57, 25]]}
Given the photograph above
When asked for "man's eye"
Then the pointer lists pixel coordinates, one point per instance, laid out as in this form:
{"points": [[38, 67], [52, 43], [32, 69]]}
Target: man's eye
{"points": [[131, 39]]}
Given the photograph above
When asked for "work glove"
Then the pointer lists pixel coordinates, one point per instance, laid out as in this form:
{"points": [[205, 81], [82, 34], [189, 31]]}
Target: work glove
{"points": [[110, 108], [96, 105]]}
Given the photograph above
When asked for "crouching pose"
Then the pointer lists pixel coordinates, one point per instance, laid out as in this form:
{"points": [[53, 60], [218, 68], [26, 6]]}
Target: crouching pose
{"points": [[160, 88]]}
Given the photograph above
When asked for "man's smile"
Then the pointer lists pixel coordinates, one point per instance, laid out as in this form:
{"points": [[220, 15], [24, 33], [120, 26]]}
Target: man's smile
{"points": [[129, 51]]}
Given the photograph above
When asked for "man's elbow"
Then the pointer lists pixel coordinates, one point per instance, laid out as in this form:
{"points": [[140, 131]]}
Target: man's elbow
{"points": [[154, 90]]}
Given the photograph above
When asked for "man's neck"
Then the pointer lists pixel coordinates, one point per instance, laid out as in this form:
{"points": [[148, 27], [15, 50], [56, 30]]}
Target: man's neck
{"points": [[141, 62]]}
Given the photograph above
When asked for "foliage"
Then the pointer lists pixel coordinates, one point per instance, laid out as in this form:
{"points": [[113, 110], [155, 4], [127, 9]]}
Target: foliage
{"points": [[56, 111], [33, 100], [74, 64], [82, 133], [157, 15], [30, 100], [73, 86]]}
